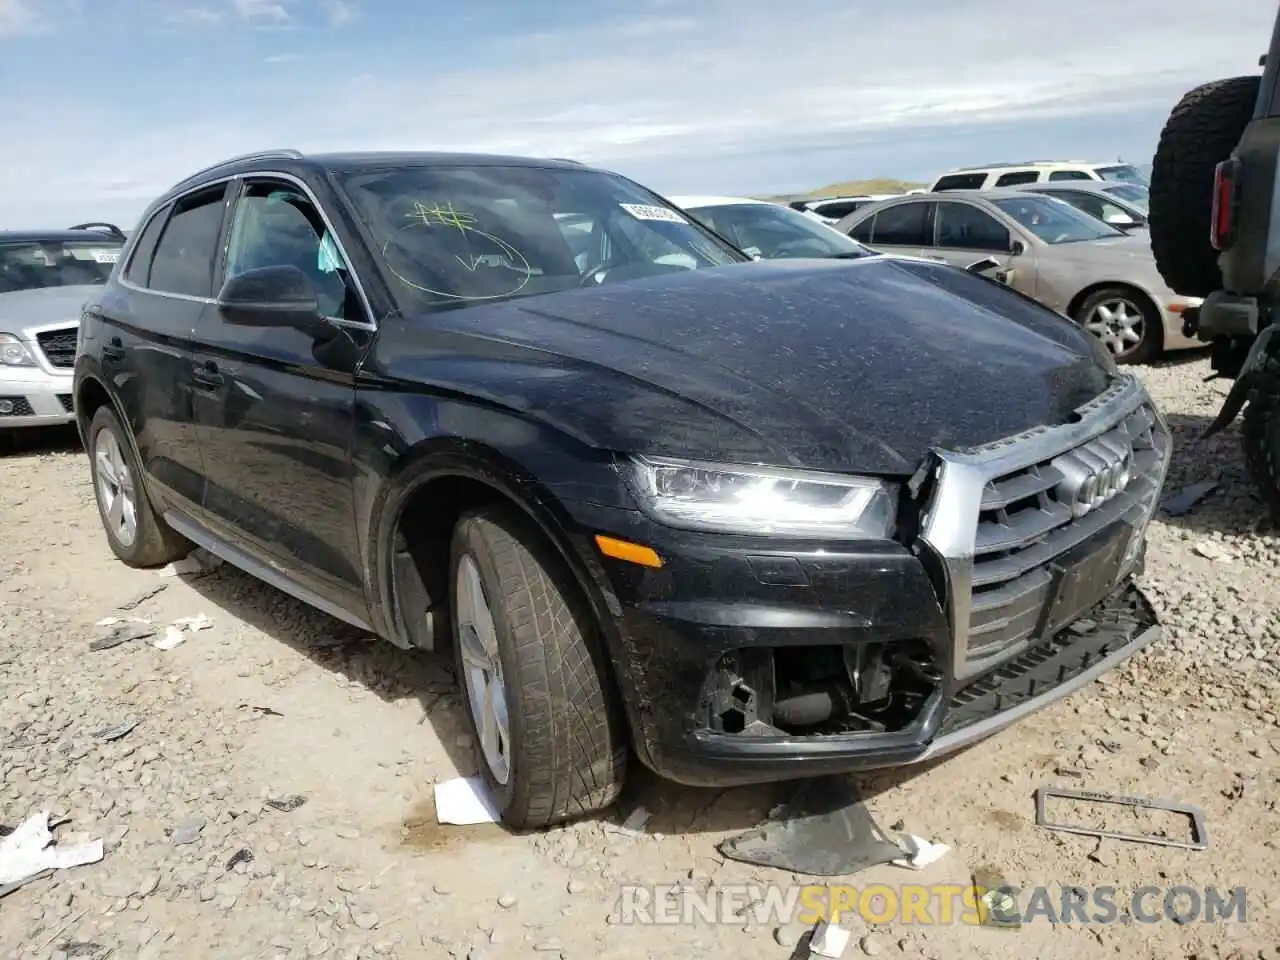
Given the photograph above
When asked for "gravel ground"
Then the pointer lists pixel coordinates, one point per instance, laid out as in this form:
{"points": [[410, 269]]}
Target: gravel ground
{"points": [[274, 797]]}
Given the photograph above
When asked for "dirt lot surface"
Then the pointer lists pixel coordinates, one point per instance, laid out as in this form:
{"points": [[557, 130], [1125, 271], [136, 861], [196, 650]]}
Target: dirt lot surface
{"points": [[275, 701]]}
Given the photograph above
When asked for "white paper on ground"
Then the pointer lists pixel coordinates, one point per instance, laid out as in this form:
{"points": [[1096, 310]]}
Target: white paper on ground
{"points": [[28, 851], [920, 852], [199, 622], [172, 637], [829, 940], [464, 801]]}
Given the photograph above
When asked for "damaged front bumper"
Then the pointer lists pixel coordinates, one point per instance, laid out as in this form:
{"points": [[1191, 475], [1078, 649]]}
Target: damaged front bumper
{"points": [[745, 660]]}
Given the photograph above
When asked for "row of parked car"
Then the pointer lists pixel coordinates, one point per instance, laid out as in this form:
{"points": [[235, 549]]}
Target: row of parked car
{"points": [[1071, 235], [666, 492]]}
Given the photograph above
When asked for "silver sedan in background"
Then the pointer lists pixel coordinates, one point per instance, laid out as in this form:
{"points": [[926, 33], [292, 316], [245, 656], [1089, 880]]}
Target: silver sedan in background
{"points": [[1071, 262]]}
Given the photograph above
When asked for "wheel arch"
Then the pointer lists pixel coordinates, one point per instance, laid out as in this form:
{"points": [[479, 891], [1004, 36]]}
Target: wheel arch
{"points": [[431, 486]]}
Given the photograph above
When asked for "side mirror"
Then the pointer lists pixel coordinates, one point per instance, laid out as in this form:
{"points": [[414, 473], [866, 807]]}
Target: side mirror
{"points": [[278, 296], [1121, 220], [1017, 248]]}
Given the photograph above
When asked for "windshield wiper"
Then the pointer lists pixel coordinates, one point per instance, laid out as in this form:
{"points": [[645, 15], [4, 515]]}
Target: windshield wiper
{"points": [[848, 255]]}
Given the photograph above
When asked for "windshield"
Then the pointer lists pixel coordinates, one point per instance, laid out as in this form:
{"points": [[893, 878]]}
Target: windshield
{"points": [[1055, 221], [1125, 173], [1137, 195], [775, 232], [34, 264], [456, 236]]}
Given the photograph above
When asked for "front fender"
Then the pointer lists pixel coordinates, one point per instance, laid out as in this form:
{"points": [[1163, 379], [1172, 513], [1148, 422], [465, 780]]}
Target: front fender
{"points": [[1263, 349]]}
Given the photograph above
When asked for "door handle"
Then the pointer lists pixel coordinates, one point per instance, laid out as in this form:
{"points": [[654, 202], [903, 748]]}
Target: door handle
{"points": [[113, 349], [207, 375]]}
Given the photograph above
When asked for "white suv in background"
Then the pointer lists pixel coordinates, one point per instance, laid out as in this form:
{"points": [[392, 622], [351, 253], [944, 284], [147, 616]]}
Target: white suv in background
{"points": [[1038, 171]]}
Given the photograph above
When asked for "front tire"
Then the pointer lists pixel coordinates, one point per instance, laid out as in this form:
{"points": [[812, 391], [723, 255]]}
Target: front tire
{"points": [[1260, 435], [1126, 322], [543, 710], [134, 532]]}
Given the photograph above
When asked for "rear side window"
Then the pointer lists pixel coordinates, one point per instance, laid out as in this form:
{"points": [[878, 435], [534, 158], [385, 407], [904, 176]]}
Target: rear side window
{"points": [[188, 247], [902, 226], [1069, 175], [961, 181], [863, 231], [145, 249], [1022, 176]]}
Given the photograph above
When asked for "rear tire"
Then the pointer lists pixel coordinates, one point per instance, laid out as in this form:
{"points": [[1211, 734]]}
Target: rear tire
{"points": [[1260, 435], [1200, 133], [134, 532], [1109, 312], [565, 750]]}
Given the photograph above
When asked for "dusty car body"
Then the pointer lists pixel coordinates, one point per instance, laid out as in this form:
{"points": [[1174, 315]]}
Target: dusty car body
{"points": [[743, 520]]}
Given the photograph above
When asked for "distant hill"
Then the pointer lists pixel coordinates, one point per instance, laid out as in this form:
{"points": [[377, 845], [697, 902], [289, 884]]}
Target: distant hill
{"points": [[852, 188]]}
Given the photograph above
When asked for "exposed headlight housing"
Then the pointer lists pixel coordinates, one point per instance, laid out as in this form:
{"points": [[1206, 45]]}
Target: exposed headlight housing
{"points": [[14, 353], [769, 501]]}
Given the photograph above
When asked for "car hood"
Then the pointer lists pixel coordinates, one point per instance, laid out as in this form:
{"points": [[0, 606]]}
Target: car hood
{"points": [[24, 310], [851, 366]]}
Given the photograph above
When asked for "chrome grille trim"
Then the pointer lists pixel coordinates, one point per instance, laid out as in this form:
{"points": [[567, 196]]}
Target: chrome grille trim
{"points": [[1001, 513]]}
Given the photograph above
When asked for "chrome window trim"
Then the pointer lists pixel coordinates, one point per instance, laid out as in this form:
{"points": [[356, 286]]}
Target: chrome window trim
{"points": [[240, 178], [951, 525]]}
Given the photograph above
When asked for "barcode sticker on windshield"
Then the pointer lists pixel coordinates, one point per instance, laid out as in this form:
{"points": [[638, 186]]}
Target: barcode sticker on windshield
{"points": [[106, 256], [644, 212]]}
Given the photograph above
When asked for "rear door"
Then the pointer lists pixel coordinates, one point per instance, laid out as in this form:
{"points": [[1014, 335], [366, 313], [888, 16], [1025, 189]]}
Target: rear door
{"points": [[899, 228], [146, 324], [274, 405]]}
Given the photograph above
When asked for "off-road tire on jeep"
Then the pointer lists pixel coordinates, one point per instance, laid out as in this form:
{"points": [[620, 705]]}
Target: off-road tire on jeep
{"points": [[1201, 132], [568, 752], [1260, 434], [154, 543]]}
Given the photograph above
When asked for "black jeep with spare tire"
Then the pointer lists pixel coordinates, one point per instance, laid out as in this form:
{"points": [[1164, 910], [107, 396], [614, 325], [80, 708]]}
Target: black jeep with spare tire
{"points": [[747, 521], [1215, 184]]}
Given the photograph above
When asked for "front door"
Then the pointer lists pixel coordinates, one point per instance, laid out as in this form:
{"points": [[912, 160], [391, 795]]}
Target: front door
{"points": [[964, 233], [274, 405]]}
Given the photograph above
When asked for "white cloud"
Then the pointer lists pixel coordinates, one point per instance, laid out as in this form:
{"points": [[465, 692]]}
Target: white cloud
{"points": [[341, 13], [261, 11], [193, 16], [17, 18], [665, 85]]}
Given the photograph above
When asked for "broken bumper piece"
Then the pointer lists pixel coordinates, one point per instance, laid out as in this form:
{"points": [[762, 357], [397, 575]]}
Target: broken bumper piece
{"points": [[947, 719]]}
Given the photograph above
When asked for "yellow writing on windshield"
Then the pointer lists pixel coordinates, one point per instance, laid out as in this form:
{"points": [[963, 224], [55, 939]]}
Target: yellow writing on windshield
{"points": [[443, 215]]}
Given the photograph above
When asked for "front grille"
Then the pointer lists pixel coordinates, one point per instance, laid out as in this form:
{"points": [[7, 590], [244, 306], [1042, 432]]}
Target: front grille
{"points": [[15, 407], [1031, 516], [1029, 528], [68, 402], [59, 346]]}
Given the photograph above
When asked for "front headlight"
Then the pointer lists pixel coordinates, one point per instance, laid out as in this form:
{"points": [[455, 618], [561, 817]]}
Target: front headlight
{"points": [[769, 501], [14, 353]]}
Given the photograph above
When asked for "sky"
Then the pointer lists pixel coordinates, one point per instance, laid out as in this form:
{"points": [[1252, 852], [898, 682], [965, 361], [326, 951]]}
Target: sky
{"points": [[109, 102]]}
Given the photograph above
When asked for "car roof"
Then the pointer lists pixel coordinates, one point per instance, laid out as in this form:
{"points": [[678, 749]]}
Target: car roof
{"points": [[686, 202], [56, 236], [1008, 164], [1085, 186], [289, 159]]}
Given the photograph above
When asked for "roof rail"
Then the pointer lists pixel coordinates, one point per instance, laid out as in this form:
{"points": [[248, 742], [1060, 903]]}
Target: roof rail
{"points": [[110, 229], [281, 153]]}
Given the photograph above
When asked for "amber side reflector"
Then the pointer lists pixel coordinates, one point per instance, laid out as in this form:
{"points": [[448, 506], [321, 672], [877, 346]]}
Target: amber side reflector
{"points": [[631, 552]]}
